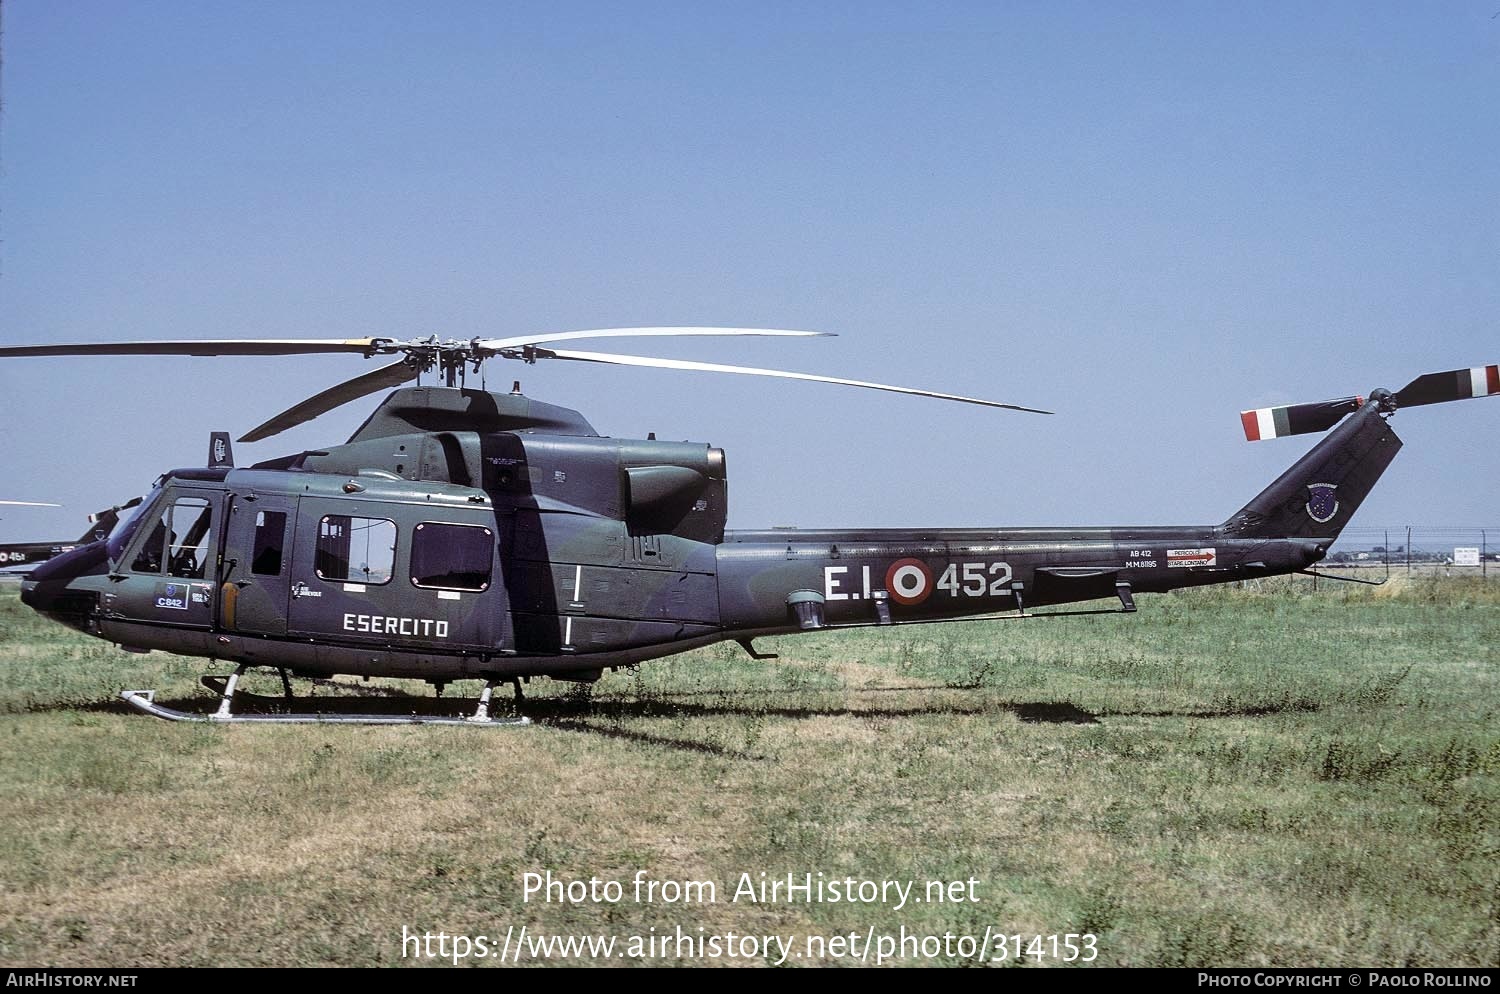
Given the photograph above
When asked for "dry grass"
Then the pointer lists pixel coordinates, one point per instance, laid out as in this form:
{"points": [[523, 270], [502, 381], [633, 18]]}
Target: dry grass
{"points": [[1247, 777]]}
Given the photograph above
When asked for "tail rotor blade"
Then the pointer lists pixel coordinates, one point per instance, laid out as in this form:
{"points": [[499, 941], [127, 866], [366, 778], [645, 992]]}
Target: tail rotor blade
{"points": [[110, 514], [1455, 384], [1430, 388], [1296, 419]]}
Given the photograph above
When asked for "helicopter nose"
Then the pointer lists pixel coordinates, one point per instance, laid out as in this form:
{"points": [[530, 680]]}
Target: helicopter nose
{"points": [[49, 589]]}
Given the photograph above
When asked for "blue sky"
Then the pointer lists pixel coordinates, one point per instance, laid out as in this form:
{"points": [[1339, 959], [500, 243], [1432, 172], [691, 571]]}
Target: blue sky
{"points": [[1143, 217]]}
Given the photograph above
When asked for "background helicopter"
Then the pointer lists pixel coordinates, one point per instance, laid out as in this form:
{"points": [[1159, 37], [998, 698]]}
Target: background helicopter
{"points": [[465, 534], [20, 558]]}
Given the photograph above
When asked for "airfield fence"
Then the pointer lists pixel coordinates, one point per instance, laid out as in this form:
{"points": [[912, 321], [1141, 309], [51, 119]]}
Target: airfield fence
{"points": [[1418, 549]]}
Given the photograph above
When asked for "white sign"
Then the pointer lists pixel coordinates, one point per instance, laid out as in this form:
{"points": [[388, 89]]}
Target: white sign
{"points": [[1466, 557]]}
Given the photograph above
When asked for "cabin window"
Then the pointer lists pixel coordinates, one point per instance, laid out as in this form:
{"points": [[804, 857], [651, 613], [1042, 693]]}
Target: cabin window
{"points": [[181, 542], [270, 537], [359, 550], [451, 557]]}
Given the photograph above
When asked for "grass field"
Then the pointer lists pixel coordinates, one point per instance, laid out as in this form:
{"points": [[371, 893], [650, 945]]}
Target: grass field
{"points": [[1231, 777]]}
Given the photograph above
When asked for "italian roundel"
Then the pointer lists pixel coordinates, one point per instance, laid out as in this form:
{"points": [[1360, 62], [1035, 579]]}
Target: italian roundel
{"points": [[909, 581]]}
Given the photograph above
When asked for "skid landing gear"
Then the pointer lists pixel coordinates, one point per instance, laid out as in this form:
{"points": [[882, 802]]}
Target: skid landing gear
{"points": [[225, 687]]}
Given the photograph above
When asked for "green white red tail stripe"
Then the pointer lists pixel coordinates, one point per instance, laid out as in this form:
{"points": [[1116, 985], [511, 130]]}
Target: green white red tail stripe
{"points": [[1262, 423]]}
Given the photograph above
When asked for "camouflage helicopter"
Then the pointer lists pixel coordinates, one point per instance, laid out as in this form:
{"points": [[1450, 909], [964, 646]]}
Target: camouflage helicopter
{"points": [[464, 534]]}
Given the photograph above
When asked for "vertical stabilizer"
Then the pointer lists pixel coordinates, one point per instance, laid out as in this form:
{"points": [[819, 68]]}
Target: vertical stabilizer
{"points": [[1320, 493]]}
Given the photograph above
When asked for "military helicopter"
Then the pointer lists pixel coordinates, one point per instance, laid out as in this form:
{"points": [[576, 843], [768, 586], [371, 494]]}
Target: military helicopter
{"points": [[465, 534]]}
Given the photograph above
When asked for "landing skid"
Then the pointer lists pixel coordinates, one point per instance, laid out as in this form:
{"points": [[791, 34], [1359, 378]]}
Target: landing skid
{"points": [[145, 701]]}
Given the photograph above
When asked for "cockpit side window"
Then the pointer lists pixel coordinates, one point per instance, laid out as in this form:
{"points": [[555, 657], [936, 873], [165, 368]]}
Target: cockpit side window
{"points": [[180, 542]]}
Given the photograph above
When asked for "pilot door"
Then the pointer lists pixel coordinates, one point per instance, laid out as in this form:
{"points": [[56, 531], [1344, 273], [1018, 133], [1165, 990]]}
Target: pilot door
{"points": [[388, 574], [165, 577], [253, 583]]}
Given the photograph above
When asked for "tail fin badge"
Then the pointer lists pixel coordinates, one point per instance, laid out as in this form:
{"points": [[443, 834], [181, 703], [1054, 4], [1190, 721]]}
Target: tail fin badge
{"points": [[1322, 502]]}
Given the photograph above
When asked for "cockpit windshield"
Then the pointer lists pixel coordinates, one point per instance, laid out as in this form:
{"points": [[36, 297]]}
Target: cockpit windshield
{"points": [[129, 521]]}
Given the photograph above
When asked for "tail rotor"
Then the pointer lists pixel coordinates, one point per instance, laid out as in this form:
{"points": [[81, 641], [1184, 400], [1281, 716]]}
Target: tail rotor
{"points": [[1430, 388]]}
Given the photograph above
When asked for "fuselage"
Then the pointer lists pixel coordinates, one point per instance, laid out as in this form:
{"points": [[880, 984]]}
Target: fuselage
{"points": [[292, 569], [468, 535]]}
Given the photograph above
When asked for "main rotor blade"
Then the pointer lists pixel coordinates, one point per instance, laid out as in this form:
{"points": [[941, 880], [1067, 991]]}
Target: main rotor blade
{"points": [[495, 344], [1455, 384], [383, 378], [27, 503], [714, 367], [203, 347]]}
